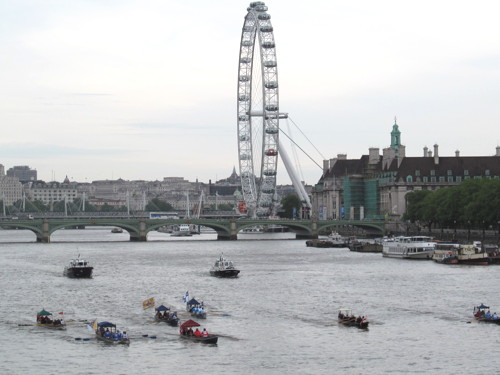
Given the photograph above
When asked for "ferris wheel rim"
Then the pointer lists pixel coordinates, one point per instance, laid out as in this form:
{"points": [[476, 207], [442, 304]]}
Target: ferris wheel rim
{"points": [[258, 30]]}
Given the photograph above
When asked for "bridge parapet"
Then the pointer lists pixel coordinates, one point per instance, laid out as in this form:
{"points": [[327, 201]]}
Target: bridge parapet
{"points": [[227, 229]]}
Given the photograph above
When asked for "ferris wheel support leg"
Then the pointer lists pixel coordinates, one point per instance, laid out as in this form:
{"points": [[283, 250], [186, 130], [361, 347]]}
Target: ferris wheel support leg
{"points": [[297, 184]]}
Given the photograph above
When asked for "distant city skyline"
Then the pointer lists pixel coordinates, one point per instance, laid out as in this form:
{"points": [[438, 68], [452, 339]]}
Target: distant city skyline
{"points": [[146, 90]]}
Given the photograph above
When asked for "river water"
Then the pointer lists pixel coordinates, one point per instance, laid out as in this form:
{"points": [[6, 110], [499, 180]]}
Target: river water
{"points": [[278, 317]]}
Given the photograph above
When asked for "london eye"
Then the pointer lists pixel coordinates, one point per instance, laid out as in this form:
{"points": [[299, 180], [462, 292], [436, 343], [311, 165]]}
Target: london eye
{"points": [[258, 111]]}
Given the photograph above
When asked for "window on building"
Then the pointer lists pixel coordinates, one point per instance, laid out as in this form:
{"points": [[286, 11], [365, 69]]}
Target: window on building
{"points": [[448, 172], [458, 179], [466, 172], [441, 178], [417, 172], [433, 179], [450, 178], [409, 178], [487, 172], [425, 179], [433, 172]]}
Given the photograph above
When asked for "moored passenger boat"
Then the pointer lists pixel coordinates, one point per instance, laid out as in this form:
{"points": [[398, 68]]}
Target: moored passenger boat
{"points": [[337, 240], [345, 317], [45, 319], [181, 230], [186, 332], [107, 332], [412, 247], [483, 314], [453, 253], [319, 243], [163, 314], [78, 268]]}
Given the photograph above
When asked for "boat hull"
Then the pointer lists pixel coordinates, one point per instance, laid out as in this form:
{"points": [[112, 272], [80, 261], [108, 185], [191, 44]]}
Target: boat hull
{"points": [[170, 322], [52, 326], [199, 315], [224, 273], [204, 340], [422, 256], [78, 272], [111, 340], [353, 323]]}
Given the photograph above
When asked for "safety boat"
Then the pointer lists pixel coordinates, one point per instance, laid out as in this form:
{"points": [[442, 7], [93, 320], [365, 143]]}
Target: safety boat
{"points": [[224, 268], [78, 268]]}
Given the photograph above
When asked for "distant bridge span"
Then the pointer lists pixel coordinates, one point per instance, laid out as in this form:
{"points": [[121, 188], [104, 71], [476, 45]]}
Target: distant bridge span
{"points": [[139, 227]]}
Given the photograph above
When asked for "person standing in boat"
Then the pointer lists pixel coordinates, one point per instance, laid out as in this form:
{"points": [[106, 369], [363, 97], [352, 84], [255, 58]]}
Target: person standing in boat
{"points": [[197, 333], [204, 333]]}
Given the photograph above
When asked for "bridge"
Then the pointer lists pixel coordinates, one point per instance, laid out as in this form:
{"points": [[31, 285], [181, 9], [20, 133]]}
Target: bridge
{"points": [[139, 227]]}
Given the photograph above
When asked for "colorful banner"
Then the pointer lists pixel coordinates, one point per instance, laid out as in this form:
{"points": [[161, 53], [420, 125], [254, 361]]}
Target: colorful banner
{"points": [[150, 302]]}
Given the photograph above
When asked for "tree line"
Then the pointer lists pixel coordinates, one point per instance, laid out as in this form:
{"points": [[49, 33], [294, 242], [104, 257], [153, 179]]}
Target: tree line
{"points": [[475, 203]]}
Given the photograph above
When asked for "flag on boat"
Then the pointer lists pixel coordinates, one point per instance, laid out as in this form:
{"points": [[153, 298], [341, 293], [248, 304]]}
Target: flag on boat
{"points": [[92, 327], [61, 313], [150, 302], [186, 296]]}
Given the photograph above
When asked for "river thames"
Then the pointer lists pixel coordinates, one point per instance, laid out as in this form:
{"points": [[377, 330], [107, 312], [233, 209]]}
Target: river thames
{"points": [[279, 316]]}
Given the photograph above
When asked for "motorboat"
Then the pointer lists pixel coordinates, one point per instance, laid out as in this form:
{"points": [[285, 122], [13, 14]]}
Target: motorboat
{"points": [[224, 268], [337, 240], [409, 247], [78, 268]]}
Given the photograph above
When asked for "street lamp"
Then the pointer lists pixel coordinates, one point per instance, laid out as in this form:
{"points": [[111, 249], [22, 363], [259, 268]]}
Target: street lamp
{"points": [[468, 230], [454, 230], [483, 231]]}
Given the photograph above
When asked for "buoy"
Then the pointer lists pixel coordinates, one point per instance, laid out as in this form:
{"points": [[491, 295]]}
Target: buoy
{"points": [[152, 337], [87, 339], [78, 338], [144, 335]]}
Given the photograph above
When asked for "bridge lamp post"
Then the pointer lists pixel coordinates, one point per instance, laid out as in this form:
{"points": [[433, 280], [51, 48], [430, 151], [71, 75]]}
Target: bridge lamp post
{"points": [[454, 230]]}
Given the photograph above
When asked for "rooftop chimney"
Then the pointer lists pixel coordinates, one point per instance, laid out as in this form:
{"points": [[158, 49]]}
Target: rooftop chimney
{"points": [[426, 152], [457, 153], [436, 154], [374, 155], [326, 166], [498, 151], [342, 156]]}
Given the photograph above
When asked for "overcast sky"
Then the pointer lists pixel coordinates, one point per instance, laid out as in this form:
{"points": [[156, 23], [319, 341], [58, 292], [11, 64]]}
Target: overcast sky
{"points": [[105, 89]]}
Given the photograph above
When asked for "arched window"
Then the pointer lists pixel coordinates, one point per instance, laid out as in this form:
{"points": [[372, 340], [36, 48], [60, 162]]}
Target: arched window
{"points": [[409, 178]]}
